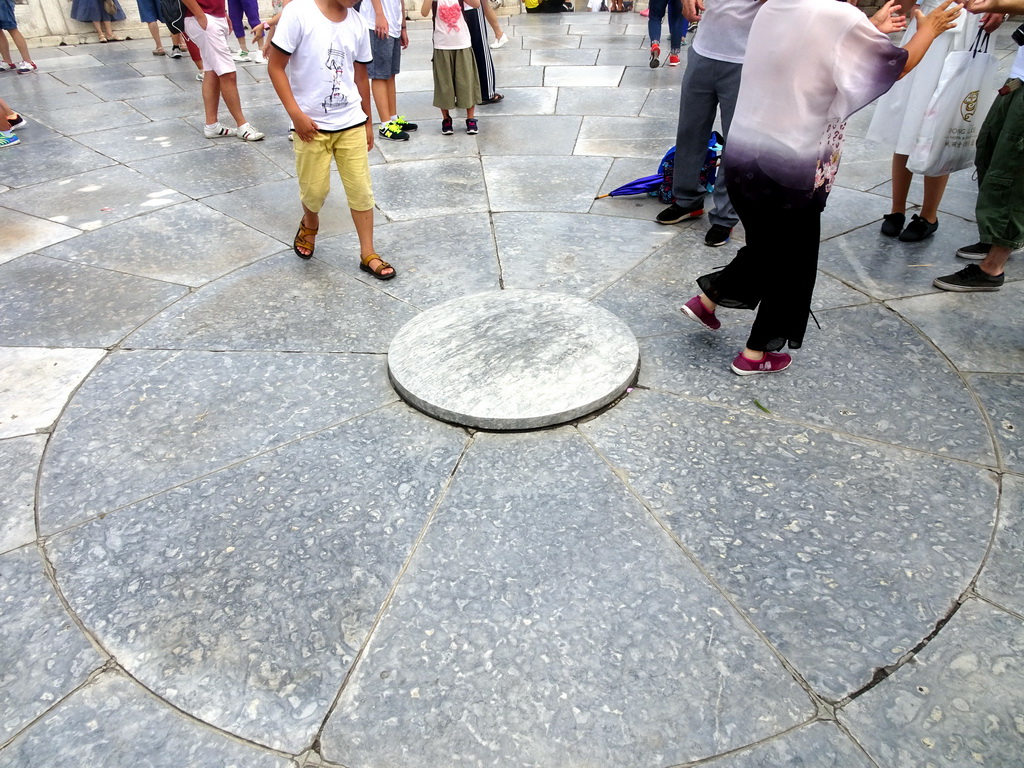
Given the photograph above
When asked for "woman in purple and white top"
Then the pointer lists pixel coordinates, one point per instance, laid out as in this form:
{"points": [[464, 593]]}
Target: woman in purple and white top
{"points": [[809, 65]]}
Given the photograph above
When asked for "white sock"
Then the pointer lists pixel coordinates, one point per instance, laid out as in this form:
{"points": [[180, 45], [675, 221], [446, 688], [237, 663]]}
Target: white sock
{"points": [[393, 118]]}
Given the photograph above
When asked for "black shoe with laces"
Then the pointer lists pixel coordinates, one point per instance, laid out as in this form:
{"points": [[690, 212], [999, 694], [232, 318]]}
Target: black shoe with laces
{"points": [[717, 235], [970, 278], [676, 213], [892, 224], [918, 229]]}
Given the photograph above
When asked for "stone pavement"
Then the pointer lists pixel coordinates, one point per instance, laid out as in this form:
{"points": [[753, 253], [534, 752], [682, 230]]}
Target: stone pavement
{"points": [[225, 541]]}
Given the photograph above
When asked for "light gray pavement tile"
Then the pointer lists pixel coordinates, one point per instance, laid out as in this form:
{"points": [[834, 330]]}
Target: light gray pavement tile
{"points": [[94, 117], [546, 619], [857, 127], [886, 268], [224, 165], [513, 68], [150, 139], [91, 200], [627, 137], [614, 39], [531, 101], [1002, 580], [52, 65], [850, 209], [148, 421], [544, 183], [54, 303], [172, 245], [31, 93], [623, 171], [453, 256], [971, 328], [821, 745], [641, 75], [122, 90], [114, 723], [507, 137], [420, 189], [630, 57], [544, 40], [1000, 394], [928, 407], [174, 105], [43, 654], [562, 57], [864, 165], [662, 102], [47, 160], [244, 598], [608, 77], [19, 462], [844, 553], [282, 303], [36, 383], [34, 132], [419, 80], [960, 702], [600, 101], [572, 253], [24, 234], [89, 76]]}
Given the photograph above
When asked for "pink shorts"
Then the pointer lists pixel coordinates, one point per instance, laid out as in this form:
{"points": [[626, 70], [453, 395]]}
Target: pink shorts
{"points": [[212, 43]]}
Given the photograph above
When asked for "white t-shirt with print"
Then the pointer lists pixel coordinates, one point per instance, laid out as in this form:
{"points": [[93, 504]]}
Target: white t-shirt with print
{"points": [[321, 69], [724, 29], [451, 33], [393, 12]]}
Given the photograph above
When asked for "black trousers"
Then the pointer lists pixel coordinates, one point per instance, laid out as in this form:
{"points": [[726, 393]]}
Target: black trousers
{"points": [[774, 272]]}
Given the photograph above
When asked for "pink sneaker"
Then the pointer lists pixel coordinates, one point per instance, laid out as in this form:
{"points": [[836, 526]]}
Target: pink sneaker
{"points": [[770, 363], [694, 309]]}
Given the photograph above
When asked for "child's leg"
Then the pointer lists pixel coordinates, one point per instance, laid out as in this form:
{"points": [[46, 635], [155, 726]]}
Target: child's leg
{"points": [[5, 49], [313, 170], [19, 40], [353, 163], [470, 113], [379, 89], [392, 96]]}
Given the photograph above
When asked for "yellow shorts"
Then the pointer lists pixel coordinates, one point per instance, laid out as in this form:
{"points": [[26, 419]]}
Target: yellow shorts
{"points": [[313, 166]]}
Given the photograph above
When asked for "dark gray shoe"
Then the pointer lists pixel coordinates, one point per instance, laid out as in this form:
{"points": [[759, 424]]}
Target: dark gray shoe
{"points": [[918, 229], [717, 235], [676, 213], [969, 279], [892, 224]]}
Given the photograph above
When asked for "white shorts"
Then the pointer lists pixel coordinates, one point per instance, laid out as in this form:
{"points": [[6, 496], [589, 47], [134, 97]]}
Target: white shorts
{"points": [[212, 43]]}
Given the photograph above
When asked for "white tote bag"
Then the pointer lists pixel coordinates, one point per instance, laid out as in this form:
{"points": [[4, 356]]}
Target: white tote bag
{"points": [[956, 111]]}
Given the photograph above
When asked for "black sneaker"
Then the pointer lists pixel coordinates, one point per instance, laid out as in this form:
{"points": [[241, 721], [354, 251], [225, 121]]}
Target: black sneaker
{"points": [[975, 252], [969, 279], [472, 127], [446, 126], [676, 213], [717, 235], [392, 132], [918, 229], [892, 224], [404, 124]]}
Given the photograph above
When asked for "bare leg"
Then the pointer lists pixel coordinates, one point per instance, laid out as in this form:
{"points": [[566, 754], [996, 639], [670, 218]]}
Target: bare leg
{"points": [[470, 113], [379, 88], [109, 29], [241, 43], [211, 96], [154, 30], [392, 97], [492, 18], [99, 30], [312, 221], [364, 231], [901, 179], [229, 92], [934, 187], [5, 49], [995, 261], [19, 40]]}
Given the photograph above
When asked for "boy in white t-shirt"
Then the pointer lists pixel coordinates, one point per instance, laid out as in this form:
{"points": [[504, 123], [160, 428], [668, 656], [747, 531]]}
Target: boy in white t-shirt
{"points": [[456, 80], [317, 63]]}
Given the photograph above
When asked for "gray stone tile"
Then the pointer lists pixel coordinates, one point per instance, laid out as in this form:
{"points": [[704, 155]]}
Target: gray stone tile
{"points": [[224, 165], [615, 39], [1002, 580], [167, 106], [971, 328], [640, 74], [571, 253], [32, 93], [851, 209], [543, 41], [504, 137], [583, 76], [171, 245], [89, 76], [864, 165], [844, 553], [44, 161], [43, 655], [282, 303], [414, 81], [958, 703], [455, 256], [417, 190], [96, 117], [560, 57], [532, 101], [561, 630], [1000, 395], [544, 183], [248, 618], [120, 90], [820, 744], [36, 384], [927, 407], [600, 101], [114, 723], [627, 137], [625, 170], [24, 234], [92, 200], [662, 102], [959, 199], [53, 64], [145, 140], [51, 303], [428, 143], [19, 461], [148, 421]]}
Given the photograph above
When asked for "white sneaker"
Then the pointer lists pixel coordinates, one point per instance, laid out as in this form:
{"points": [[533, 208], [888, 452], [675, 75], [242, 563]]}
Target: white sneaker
{"points": [[501, 41], [242, 56], [219, 130], [5, 67], [248, 133], [199, 76], [25, 67]]}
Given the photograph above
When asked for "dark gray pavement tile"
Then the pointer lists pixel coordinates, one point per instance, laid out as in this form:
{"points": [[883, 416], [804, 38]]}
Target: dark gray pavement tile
{"points": [[112, 116], [647, 137], [148, 421], [143, 139], [43, 161], [601, 101], [531, 183], [821, 745], [543, 593], [244, 598], [417, 190], [24, 234], [19, 463], [1002, 580], [225, 164], [504, 137], [845, 553], [1000, 395], [957, 703]]}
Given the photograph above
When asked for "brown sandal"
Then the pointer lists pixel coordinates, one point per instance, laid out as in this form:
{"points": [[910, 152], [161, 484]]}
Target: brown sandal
{"points": [[378, 271], [302, 240]]}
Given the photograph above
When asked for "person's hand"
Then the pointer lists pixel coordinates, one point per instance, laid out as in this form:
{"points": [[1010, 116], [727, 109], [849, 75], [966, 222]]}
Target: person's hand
{"points": [[369, 134], [888, 19], [380, 26], [982, 6], [257, 35], [692, 9], [202, 21], [939, 20], [404, 39], [990, 21], [305, 127]]}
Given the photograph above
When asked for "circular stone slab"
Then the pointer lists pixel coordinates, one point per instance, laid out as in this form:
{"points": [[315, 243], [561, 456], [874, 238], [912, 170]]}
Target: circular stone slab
{"points": [[513, 360]]}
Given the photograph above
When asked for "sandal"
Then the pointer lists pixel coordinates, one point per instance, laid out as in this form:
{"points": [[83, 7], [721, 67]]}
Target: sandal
{"points": [[303, 239], [159, 52], [494, 99], [378, 271], [103, 39]]}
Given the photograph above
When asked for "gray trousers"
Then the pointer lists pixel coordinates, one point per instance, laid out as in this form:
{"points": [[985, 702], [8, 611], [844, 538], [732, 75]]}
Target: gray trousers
{"points": [[708, 85]]}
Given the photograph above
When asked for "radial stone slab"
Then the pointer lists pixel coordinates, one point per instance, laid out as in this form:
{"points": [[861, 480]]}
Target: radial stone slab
{"points": [[512, 360]]}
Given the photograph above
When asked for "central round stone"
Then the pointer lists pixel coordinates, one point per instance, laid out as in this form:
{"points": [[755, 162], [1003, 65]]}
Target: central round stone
{"points": [[511, 360]]}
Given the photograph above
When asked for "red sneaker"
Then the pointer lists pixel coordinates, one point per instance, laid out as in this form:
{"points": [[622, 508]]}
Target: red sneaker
{"points": [[673, 60], [770, 363], [655, 55], [695, 310]]}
